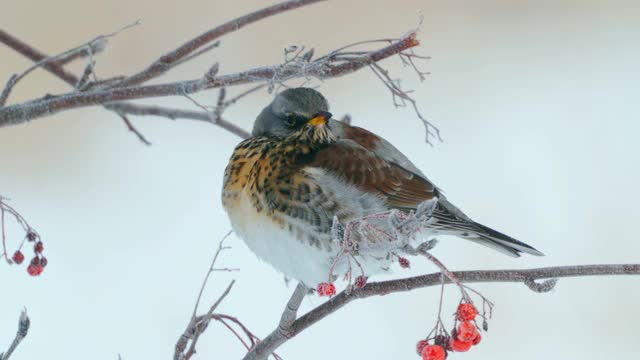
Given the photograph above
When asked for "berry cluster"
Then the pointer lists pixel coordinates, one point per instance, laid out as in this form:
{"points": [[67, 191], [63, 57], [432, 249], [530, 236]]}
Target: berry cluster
{"points": [[38, 262], [462, 338], [326, 289]]}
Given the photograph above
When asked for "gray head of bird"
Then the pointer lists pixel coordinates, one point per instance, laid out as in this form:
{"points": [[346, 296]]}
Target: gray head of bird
{"points": [[302, 112]]}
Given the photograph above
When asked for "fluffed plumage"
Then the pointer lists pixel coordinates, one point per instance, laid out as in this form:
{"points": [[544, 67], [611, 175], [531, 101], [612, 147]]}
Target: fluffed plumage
{"points": [[283, 187]]}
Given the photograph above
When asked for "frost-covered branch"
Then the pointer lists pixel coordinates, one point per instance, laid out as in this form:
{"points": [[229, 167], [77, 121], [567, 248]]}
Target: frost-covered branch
{"points": [[276, 338], [23, 329], [111, 92]]}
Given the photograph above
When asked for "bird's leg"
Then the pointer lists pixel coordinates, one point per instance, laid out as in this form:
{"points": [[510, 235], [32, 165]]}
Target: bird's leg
{"points": [[421, 250]]}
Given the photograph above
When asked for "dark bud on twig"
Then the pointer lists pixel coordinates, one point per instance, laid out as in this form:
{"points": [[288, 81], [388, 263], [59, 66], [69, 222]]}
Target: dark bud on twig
{"points": [[84, 79], [212, 72], [31, 236], [289, 49], [428, 245], [23, 324], [306, 57]]}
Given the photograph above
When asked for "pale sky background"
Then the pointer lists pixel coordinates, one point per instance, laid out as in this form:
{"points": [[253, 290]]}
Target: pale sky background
{"points": [[537, 102]]}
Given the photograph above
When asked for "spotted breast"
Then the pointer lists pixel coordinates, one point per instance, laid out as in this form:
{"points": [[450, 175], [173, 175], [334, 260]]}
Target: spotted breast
{"points": [[282, 203]]}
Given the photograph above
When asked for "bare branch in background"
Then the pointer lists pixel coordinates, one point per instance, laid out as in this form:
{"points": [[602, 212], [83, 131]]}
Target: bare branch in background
{"points": [[185, 347], [111, 92], [332, 65], [89, 48], [23, 329], [169, 60], [175, 114]]}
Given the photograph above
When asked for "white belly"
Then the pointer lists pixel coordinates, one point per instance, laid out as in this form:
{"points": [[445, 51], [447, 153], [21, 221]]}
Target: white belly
{"points": [[276, 245]]}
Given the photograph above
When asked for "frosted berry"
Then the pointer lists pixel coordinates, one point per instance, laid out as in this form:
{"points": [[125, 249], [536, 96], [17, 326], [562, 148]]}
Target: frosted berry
{"points": [[466, 331], [43, 262], [34, 270], [18, 257], [433, 352], [421, 345], [460, 346], [404, 262], [360, 282], [466, 312], [38, 247], [476, 340], [326, 289]]}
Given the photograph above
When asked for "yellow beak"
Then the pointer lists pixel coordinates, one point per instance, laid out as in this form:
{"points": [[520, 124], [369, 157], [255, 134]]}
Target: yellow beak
{"points": [[320, 119]]}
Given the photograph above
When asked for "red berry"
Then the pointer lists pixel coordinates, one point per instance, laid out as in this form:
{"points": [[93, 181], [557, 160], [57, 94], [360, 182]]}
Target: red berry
{"points": [[466, 331], [360, 282], [18, 257], [433, 352], [477, 339], [460, 346], [404, 262], [421, 345], [38, 247], [326, 289], [466, 312], [34, 270]]}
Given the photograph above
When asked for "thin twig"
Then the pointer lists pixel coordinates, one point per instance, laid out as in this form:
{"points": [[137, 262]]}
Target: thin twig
{"points": [[201, 326], [275, 339], [31, 233], [220, 248], [91, 47], [175, 114], [134, 130], [198, 324], [169, 60]]}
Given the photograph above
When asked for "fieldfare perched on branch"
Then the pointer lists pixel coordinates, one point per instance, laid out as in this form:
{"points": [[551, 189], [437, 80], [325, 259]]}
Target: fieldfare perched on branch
{"points": [[284, 186]]}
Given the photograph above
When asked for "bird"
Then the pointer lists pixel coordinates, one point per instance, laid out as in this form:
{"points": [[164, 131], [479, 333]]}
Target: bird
{"points": [[301, 169]]}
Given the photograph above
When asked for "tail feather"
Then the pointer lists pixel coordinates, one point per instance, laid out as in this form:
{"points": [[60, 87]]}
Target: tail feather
{"points": [[506, 242], [449, 219]]}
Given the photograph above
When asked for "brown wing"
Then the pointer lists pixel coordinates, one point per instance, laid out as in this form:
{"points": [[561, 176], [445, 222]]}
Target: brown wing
{"points": [[376, 144], [364, 169]]}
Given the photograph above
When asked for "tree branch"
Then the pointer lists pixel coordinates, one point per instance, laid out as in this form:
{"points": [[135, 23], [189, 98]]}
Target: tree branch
{"points": [[174, 114], [36, 56], [277, 338], [331, 65]]}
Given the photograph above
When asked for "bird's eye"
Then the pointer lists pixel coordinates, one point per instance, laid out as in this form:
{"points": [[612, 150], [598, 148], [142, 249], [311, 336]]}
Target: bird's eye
{"points": [[289, 119]]}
